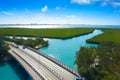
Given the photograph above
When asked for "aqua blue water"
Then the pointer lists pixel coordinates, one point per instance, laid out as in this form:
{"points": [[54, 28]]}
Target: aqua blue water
{"points": [[6, 72], [12, 71], [65, 50]]}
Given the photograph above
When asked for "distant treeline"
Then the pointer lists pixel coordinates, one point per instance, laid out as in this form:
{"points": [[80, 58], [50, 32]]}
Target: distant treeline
{"points": [[46, 33]]}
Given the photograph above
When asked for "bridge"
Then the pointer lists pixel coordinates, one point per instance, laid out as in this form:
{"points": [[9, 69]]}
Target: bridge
{"points": [[41, 66]]}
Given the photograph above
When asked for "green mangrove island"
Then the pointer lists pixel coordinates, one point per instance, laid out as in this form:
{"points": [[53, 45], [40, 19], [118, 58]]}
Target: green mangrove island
{"points": [[109, 35], [60, 33]]}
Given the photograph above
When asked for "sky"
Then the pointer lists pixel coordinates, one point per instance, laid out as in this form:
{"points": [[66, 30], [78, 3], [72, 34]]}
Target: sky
{"points": [[97, 12]]}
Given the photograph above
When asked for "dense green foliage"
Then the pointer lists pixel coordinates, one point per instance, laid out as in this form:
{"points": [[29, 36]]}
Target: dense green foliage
{"points": [[49, 33], [109, 35], [3, 50], [40, 42], [101, 63]]}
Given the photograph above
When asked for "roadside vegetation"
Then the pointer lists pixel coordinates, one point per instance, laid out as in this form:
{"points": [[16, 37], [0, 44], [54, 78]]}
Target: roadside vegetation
{"points": [[46, 33], [34, 43], [109, 35], [101, 63], [3, 50]]}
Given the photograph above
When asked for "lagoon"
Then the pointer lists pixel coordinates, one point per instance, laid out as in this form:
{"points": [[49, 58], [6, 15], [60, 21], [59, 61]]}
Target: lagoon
{"points": [[65, 50]]}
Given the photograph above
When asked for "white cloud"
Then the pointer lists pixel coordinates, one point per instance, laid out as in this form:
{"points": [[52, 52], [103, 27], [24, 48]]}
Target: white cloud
{"points": [[7, 13], [115, 3], [44, 9], [58, 8], [71, 16], [104, 3], [110, 2], [26, 10], [81, 1]]}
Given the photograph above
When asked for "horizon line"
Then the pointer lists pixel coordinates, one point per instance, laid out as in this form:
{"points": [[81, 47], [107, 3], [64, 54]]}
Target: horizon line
{"points": [[11, 24]]}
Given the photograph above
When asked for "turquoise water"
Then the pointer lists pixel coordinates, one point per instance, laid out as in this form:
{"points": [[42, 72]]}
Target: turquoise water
{"points": [[6, 73], [65, 50], [12, 71]]}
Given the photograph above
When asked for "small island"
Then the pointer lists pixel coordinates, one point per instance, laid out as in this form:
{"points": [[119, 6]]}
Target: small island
{"points": [[34, 42]]}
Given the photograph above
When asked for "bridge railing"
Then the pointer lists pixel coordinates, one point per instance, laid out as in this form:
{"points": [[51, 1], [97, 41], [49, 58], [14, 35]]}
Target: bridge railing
{"points": [[48, 68], [56, 61], [29, 65]]}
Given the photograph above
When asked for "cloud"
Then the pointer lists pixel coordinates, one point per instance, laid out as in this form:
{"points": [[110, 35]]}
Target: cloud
{"points": [[44, 9], [7, 13], [81, 1], [26, 10], [71, 16], [104, 3], [115, 3], [58, 8]]}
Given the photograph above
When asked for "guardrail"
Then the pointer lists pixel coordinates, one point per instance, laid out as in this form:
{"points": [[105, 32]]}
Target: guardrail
{"points": [[29, 65], [48, 68], [56, 62]]}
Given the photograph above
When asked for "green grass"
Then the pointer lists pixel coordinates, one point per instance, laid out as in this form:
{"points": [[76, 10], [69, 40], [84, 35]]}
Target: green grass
{"points": [[48, 33], [109, 35]]}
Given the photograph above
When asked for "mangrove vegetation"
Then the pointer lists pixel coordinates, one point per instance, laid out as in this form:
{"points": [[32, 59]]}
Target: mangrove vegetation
{"points": [[99, 63], [36, 42], [46, 33], [109, 35], [3, 50]]}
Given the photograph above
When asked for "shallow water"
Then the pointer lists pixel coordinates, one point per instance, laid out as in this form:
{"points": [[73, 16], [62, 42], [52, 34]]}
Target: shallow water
{"points": [[13, 71], [65, 50]]}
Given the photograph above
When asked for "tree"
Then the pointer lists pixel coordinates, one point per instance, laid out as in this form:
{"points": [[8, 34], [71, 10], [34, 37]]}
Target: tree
{"points": [[3, 49], [101, 63]]}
